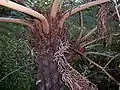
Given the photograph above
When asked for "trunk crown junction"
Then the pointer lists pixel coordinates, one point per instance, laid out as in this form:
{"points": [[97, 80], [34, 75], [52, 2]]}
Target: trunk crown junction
{"points": [[54, 72]]}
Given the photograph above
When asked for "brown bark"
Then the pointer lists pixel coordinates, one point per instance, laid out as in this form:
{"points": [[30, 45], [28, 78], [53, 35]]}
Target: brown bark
{"points": [[48, 76], [54, 72]]}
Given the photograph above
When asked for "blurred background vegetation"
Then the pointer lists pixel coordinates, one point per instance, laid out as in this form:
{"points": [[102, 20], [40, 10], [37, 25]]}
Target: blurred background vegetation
{"points": [[17, 66]]}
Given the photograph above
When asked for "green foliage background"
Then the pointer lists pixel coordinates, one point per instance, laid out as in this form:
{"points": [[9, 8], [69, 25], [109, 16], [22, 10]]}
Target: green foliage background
{"points": [[17, 64]]}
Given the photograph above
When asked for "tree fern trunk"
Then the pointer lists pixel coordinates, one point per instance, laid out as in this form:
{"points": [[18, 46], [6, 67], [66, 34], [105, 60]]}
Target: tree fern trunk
{"points": [[48, 75], [45, 46], [53, 69]]}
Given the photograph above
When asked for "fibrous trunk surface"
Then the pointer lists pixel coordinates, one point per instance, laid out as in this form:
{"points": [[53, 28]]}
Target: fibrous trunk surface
{"points": [[54, 72], [48, 77]]}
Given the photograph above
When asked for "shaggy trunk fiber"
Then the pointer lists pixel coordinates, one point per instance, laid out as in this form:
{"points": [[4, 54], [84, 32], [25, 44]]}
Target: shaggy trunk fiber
{"points": [[45, 46], [54, 72], [48, 75]]}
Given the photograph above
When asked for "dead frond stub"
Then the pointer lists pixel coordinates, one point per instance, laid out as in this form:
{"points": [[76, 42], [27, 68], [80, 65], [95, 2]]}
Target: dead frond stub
{"points": [[103, 16], [72, 78]]}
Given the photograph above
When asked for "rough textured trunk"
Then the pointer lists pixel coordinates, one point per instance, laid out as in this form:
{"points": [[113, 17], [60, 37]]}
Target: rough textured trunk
{"points": [[54, 72], [48, 77]]}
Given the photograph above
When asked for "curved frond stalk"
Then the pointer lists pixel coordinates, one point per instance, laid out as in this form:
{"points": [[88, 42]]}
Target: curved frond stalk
{"points": [[90, 33], [54, 9], [93, 41], [82, 7], [14, 71], [82, 27], [28, 11], [111, 60], [81, 39], [101, 54], [93, 46], [13, 20]]}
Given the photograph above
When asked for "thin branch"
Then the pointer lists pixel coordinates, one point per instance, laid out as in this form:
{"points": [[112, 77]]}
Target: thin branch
{"points": [[15, 71], [81, 18], [91, 74], [93, 45], [82, 7], [90, 42], [116, 8], [54, 9], [87, 35], [111, 77], [81, 39], [81, 29], [113, 69], [13, 20], [111, 60], [98, 53], [15, 6]]}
